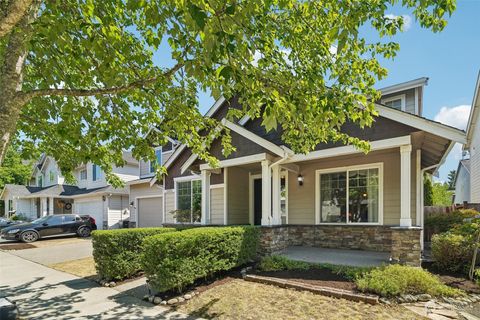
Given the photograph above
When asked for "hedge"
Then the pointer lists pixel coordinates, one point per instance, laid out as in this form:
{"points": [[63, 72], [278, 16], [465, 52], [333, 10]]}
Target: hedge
{"points": [[443, 222], [176, 260], [117, 252]]}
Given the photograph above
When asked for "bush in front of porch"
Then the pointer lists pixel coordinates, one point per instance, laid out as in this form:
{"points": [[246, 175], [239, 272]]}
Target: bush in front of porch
{"points": [[173, 261], [117, 252]]}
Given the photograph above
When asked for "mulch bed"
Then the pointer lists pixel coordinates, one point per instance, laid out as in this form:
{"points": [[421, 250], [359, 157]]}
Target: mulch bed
{"points": [[455, 280], [16, 246], [314, 276]]}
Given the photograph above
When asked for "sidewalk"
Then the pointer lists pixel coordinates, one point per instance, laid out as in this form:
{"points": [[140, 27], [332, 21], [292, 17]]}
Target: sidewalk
{"points": [[44, 293]]}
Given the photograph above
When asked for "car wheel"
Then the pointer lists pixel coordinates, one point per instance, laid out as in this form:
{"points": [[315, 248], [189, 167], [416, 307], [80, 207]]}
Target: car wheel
{"points": [[84, 232], [29, 236]]}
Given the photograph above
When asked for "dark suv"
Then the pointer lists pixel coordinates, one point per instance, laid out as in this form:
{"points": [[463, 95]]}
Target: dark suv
{"points": [[51, 226]]}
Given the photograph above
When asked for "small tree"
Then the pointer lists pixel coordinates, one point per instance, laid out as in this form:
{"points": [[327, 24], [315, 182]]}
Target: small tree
{"points": [[427, 191], [451, 179], [442, 196]]}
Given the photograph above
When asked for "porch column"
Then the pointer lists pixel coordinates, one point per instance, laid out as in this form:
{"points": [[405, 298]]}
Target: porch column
{"points": [[50, 206], [276, 195], [405, 185], [266, 193], [205, 196], [43, 206]]}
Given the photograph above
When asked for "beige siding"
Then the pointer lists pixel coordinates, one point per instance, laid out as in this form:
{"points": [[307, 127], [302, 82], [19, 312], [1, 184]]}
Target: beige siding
{"points": [[142, 190], [301, 199], [475, 166], [169, 206], [216, 206], [118, 210], [238, 202]]}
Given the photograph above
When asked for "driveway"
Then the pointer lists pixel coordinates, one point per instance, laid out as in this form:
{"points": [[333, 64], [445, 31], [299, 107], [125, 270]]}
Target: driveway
{"points": [[50, 251], [44, 293]]}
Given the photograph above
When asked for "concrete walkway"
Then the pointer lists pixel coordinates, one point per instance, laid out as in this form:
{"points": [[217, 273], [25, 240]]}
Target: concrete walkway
{"points": [[57, 252], [44, 293], [354, 258]]}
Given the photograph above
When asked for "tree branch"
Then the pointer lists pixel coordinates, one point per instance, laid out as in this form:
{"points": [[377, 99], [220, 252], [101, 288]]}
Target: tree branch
{"points": [[24, 97], [11, 15]]}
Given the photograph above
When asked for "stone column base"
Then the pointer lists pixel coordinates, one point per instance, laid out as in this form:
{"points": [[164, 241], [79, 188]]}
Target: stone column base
{"points": [[406, 248]]}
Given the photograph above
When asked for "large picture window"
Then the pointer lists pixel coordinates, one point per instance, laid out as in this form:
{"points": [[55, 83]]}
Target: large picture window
{"points": [[189, 201], [350, 195]]}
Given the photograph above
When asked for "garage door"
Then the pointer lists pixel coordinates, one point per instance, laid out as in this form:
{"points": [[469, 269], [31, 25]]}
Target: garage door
{"points": [[93, 208], [150, 212]]}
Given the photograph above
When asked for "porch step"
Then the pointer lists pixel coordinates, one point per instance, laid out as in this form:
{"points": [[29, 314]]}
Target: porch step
{"points": [[325, 291]]}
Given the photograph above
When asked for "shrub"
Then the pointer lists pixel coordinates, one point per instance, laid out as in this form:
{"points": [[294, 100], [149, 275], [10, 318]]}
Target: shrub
{"points": [[394, 280], [452, 252], [443, 222], [117, 252], [278, 263], [175, 260]]}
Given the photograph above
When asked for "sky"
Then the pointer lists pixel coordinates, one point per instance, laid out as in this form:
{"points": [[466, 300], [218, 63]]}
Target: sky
{"points": [[450, 59]]}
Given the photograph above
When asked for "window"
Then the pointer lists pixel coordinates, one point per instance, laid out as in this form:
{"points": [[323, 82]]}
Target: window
{"points": [[96, 172], [396, 102], [51, 175], [189, 201], [351, 195], [10, 205], [158, 155], [83, 174], [55, 220], [40, 181]]}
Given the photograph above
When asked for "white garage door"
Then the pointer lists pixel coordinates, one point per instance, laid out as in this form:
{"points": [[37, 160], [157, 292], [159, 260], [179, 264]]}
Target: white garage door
{"points": [[150, 212], [93, 208]]}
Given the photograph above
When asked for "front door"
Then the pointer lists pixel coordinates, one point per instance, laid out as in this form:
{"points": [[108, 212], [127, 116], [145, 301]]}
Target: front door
{"points": [[257, 202]]}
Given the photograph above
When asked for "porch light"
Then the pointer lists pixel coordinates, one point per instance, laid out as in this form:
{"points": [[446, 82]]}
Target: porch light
{"points": [[300, 180]]}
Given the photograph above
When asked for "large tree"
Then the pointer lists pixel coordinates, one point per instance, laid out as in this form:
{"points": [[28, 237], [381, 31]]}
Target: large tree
{"points": [[78, 77]]}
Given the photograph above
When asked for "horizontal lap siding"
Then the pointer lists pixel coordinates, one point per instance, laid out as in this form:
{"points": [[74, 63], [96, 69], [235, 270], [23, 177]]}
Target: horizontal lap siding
{"points": [[142, 190], [169, 206], [301, 199], [216, 206], [238, 202]]}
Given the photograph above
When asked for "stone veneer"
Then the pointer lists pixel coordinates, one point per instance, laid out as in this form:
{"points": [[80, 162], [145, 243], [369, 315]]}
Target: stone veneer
{"points": [[402, 243]]}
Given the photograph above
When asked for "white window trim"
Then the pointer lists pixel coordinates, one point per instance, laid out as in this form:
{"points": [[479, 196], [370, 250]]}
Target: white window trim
{"points": [[150, 162], [86, 176], [175, 200], [402, 98], [284, 174], [378, 165]]}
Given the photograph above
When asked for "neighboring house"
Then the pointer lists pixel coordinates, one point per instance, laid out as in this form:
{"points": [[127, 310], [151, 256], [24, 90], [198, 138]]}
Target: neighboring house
{"points": [[335, 196], [473, 145], [146, 198], [92, 195], [462, 182]]}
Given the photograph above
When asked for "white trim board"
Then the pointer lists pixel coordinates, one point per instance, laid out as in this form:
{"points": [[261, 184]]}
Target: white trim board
{"points": [[420, 82], [255, 138], [237, 161], [423, 124], [345, 150], [401, 97]]}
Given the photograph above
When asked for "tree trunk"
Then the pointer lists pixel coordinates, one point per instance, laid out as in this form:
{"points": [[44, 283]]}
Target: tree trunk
{"points": [[11, 77]]}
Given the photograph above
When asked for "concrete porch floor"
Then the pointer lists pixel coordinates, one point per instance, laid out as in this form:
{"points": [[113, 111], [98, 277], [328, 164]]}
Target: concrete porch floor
{"points": [[354, 258]]}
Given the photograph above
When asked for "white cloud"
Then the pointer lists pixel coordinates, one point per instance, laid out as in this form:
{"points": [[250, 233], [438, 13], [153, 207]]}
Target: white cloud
{"points": [[407, 20], [454, 116]]}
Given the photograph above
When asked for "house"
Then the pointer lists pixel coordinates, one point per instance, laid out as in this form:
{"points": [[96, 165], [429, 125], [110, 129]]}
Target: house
{"points": [[462, 182], [335, 196], [47, 193], [473, 144], [146, 198]]}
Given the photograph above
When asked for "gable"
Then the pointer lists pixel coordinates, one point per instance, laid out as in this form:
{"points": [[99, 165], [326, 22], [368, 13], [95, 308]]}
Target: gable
{"points": [[383, 128]]}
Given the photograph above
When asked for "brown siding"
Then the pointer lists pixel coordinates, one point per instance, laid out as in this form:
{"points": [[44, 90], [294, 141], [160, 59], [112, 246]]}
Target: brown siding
{"points": [[176, 168]]}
